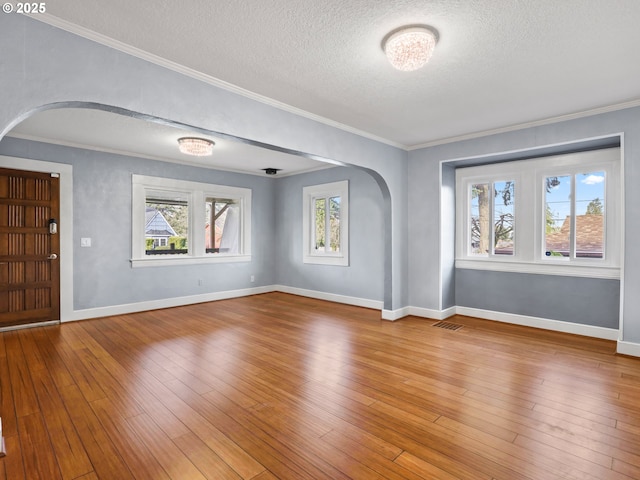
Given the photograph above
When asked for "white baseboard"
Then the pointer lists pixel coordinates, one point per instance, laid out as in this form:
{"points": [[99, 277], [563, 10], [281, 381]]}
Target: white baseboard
{"points": [[331, 297], [628, 348], [544, 323], [164, 303], [433, 314], [211, 297], [393, 315]]}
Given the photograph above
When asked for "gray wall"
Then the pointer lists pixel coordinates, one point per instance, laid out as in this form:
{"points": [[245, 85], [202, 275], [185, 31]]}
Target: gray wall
{"points": [[42, 66], [102, 210], [102, 274], [424, 193], [364, 276], [588, 301]]}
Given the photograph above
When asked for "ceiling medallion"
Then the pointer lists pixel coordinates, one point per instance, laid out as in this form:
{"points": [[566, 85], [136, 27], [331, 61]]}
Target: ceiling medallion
{"points": [[409, 48]]}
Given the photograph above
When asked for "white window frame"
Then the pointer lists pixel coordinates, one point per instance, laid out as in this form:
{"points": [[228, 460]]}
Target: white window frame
{"points": [[326, 190], [530, 217], [196, 194]]}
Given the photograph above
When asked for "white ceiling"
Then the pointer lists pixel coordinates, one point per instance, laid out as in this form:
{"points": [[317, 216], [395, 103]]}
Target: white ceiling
{"points": [[120, 134], [499, 64]]}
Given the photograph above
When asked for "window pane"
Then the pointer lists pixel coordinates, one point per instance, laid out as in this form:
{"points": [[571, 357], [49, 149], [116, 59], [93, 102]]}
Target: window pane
{"points": [[320, 222], [503, 218], [590, 215], [224, 215], [166, 227], [334, 224], [479, 219], [557, 216]]}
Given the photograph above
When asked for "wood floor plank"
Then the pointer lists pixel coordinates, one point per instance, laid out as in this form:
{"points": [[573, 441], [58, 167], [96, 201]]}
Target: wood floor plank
{"points": [[46, 339], [205, 430], [205, 459], [277, 386], [13, 462], [428, 470], [104, 457], [25, 399], [165, 451], [38, 456], [128, 444], [67, 446]]}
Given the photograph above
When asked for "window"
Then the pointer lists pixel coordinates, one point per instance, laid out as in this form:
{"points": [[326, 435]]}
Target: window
{"points": [[325, 223], [574, 216], [492, 200], [552, 215], [181, 222], [222, 225], [166, 223]]}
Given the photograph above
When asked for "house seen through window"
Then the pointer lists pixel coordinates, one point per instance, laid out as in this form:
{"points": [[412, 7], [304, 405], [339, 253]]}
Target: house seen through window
{"points": [[574, 215], [166, 227], [178, 221]]}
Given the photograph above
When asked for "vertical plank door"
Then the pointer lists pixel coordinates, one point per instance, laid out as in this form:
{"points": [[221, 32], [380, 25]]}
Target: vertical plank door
{"points": [[29, 247]]}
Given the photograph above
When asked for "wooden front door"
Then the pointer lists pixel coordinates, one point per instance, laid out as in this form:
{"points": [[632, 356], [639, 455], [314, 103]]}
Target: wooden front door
{"points": [[29, 247]]}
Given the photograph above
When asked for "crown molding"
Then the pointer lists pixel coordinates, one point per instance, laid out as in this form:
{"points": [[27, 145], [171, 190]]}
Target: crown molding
{"points": [[522, 126], [170, 65], [189, 72]]}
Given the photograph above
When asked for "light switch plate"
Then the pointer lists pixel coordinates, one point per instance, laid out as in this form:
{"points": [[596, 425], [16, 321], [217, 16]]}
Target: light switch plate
{"points": [[85, 242]]}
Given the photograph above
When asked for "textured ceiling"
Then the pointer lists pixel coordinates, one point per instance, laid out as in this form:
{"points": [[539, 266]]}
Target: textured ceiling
{"points": [[498, 63]]}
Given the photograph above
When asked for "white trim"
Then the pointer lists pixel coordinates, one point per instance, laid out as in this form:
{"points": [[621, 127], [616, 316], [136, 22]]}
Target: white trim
{"points": [[628, 348], [165, 303], [309, 195], [393, 315], [331, 297], [543, 323], [66, 222], [622, 234], [434, 314], [169, 260], [504, 155], [189, 72], [214, 296], [522, 126], [515, 319], [196, 194], [566, 270], [529, 213], [149, 57]]}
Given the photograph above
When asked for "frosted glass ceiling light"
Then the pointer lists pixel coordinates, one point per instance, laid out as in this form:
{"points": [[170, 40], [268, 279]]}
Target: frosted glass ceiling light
{"points": [[199, 147], [410, 48]]}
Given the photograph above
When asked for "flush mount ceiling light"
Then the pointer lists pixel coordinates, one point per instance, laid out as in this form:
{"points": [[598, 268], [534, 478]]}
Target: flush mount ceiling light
{"points": [[409, 48], [199, 147]]}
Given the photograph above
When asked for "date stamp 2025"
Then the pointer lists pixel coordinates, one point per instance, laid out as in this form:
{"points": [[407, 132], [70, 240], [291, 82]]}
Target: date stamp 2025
{"points": [[27, 8]]}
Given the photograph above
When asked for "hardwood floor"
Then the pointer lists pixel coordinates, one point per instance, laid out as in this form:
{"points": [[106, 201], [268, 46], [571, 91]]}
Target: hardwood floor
{"points": [[279, 386]]}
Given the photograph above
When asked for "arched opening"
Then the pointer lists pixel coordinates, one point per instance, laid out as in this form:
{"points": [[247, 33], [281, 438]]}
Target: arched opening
{"points": [[89, 209]]}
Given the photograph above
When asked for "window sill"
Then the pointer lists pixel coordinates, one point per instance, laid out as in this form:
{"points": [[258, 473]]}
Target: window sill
{"points": [[542, 268], [167, 260], [340, 261]]}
